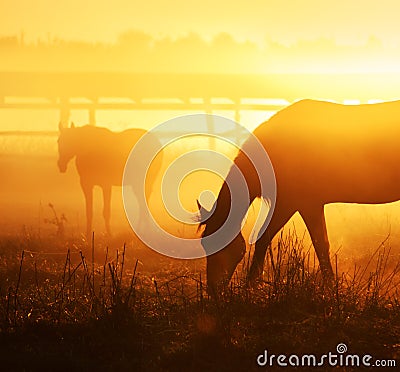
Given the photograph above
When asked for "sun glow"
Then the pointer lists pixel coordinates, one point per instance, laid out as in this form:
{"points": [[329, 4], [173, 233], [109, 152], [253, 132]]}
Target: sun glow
{"points": [[271, 66]]}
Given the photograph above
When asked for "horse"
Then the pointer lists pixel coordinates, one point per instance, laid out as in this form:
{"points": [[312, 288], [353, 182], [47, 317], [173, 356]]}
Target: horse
{"points": [[321, 153], [100, 157]]}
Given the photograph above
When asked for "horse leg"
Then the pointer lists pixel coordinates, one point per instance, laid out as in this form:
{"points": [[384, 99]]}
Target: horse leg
{"points": [[143, 203], [281, 215], [88, 192], [314, 219], [107, 207]]}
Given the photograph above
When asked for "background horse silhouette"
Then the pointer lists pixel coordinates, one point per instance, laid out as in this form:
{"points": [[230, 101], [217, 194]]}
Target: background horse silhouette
{"points": [[321, 153], [100, 157]]}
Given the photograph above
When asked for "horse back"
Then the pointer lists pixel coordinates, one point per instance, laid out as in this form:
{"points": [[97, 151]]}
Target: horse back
{"points": [[325, 152], [104, 154]]}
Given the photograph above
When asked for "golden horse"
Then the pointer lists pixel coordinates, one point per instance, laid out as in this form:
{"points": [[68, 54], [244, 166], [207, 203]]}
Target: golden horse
{"points": [[100, 157], [322, 153]]}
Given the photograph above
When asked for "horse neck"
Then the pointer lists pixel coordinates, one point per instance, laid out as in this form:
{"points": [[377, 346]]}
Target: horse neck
{"points": [[84, 139], [223, 202], [222, 207], [76, 141]]}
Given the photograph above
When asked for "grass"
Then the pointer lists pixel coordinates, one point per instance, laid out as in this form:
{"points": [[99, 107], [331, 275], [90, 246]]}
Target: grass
{"points": [[66, 305]]}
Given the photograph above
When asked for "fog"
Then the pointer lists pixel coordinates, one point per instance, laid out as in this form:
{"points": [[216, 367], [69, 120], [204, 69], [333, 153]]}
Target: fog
{"points": [[31, 182]]}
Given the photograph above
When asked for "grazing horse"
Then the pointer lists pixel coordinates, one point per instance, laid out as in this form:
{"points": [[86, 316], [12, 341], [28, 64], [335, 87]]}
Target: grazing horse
{"points": [[322, 153], [100, 157]]}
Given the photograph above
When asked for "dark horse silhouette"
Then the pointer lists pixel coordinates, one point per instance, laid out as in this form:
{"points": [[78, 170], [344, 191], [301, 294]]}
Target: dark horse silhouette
{"points": [[322, 153], [100, 157]]}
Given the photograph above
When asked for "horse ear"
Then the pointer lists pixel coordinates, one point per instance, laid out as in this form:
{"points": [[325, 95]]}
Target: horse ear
{"points": [[204, 214], [72, 124]]}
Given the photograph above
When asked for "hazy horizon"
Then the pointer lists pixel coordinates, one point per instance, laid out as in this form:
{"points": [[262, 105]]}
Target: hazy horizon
{"points": [[136, 50], [283, 21]]}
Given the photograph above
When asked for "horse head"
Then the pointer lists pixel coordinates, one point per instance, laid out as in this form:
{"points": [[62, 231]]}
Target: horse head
{"points": [[66, 148], [222, 264]]}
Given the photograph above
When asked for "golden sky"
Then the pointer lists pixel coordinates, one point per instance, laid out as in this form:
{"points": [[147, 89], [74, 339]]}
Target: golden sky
{"points": [[284, 21], [344, 22]]}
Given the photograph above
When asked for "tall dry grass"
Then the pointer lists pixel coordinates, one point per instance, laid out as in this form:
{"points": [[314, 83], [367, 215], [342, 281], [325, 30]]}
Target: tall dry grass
{"points": [[97, 301]]}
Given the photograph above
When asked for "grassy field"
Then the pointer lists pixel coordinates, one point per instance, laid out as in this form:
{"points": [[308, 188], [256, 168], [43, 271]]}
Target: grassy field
{"points": [[66, 304]]}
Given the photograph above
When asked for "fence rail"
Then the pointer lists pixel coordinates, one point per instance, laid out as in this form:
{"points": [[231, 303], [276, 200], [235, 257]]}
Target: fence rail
{"points": [[203, 92]]}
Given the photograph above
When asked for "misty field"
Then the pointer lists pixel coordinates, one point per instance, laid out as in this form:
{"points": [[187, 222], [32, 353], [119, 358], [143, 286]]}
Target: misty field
{"points": [[68, 304]]}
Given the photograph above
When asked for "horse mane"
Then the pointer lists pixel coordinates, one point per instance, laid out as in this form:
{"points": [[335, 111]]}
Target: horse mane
{"points": [[219, 212]]}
